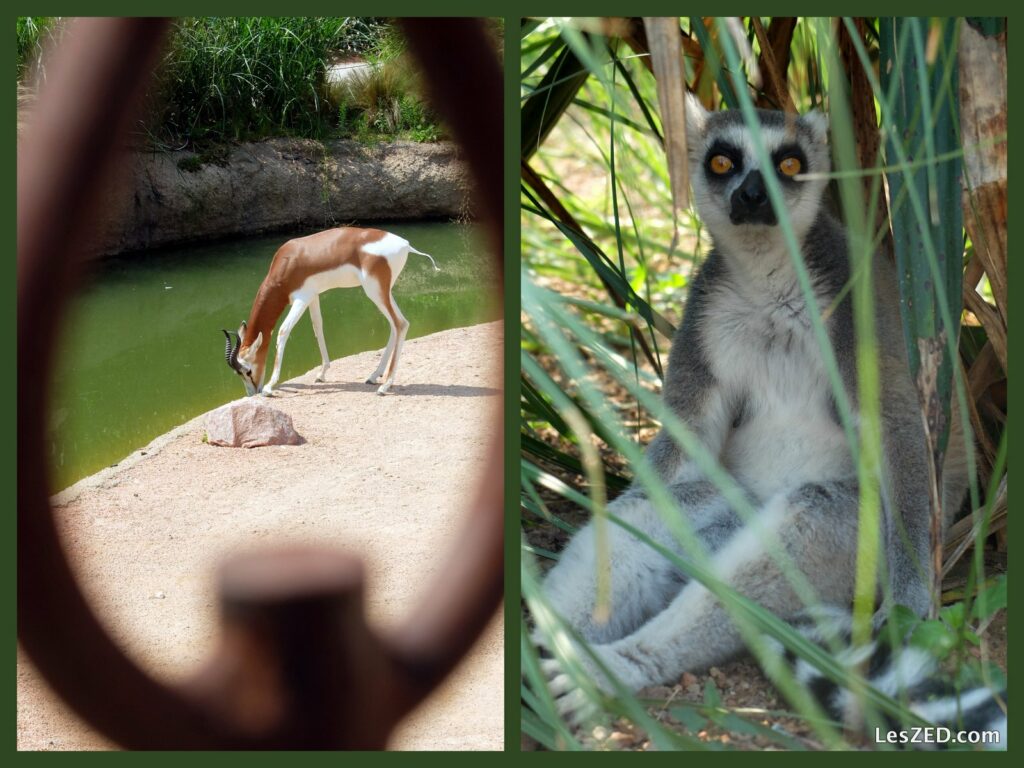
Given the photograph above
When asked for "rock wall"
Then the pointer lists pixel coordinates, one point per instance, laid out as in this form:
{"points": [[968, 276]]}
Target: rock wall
{"points": [[177, 197]]}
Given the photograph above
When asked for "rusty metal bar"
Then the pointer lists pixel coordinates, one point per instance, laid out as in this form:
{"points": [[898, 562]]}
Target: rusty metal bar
{"points": [[297, 666], [83, 110], [467, 91]]}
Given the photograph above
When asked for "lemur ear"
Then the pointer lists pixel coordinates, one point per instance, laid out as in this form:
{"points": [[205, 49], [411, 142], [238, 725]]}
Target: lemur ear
{"points": [[817, 121], [696, 116]]}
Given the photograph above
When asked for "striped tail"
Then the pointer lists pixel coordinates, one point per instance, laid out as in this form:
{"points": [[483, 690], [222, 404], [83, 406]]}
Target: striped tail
{"points": [[906, 674], [421, 253]]}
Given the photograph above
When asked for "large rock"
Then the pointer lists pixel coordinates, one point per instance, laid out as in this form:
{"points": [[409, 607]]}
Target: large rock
{"points": [[177, 197], [250, 423]]}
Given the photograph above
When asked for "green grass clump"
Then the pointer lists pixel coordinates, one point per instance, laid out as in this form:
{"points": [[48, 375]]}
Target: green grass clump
{"points": [[244, 78], [33, 34], [383, 102]]}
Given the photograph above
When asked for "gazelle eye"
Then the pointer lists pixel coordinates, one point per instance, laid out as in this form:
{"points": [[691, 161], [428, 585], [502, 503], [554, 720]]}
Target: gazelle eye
{"points": [[720, 164], [790, 166]]}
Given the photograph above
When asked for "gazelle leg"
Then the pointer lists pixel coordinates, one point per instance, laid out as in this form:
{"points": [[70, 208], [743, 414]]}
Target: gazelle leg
{"points": [[376, 292], [318, 331], [298, 307], [403, 329], [374, 378]]}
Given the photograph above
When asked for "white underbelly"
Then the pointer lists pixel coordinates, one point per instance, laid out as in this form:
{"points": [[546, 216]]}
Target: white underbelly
{"points": [[345, 276], [786, 449]]}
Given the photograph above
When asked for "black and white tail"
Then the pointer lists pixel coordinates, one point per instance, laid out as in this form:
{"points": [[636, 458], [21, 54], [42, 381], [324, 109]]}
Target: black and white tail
{"points": [[906, 674]]}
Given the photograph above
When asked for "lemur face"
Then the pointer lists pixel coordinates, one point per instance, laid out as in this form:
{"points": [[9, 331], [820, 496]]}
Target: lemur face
{"points": [[732, 174], [730, 189]]}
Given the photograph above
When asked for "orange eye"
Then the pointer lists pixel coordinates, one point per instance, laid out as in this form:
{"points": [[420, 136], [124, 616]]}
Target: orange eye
{"points": [[790, 166], [720, 164]]}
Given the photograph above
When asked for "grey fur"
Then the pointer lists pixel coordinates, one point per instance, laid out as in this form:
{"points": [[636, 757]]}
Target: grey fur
{"points": [[746, 376]]}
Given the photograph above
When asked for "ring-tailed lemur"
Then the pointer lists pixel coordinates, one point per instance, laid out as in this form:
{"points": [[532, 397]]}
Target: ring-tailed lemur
{"points": [[746, 376]]}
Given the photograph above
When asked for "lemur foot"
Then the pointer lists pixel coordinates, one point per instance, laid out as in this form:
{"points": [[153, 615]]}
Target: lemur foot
{"points": [[577, 692], [573, 700]]}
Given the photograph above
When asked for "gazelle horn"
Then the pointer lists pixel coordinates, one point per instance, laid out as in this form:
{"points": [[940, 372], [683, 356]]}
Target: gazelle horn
{"points": [[231, 351]]}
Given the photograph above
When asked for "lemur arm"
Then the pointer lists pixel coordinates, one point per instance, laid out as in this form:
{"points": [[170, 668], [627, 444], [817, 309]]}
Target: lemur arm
{"points": [[904, 466], [908, 511], [691, 391], [707, 415], [905, 453]]}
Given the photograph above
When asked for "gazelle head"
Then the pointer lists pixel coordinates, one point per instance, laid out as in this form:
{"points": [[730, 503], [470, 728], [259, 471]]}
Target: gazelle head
{"points": [[245, 359]]}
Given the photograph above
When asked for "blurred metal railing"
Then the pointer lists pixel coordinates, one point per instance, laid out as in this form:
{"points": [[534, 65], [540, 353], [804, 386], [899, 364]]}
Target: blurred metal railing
{"points": [[297, 666]]}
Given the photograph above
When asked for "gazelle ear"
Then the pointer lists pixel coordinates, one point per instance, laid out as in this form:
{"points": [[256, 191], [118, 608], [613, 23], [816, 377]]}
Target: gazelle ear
{"points": [[241, 332], [255, 346]]}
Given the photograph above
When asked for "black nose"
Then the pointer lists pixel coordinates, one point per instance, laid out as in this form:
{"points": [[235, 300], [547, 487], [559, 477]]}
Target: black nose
{"points": [[752, 191], [750, 204]]}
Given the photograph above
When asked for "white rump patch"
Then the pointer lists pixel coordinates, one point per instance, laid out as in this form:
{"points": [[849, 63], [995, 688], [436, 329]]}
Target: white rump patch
{"points": [[387, 246]]}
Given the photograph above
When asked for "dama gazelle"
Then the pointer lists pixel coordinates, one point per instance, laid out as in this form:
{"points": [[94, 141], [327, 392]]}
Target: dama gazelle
{"points": [[304, 268]]}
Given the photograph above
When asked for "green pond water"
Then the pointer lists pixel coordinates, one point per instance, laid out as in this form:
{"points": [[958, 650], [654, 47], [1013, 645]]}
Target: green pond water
{"points": [[142, 350]]}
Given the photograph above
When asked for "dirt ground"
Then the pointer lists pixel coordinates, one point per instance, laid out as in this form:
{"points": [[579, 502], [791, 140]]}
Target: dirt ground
{"points": [[386, 477]]}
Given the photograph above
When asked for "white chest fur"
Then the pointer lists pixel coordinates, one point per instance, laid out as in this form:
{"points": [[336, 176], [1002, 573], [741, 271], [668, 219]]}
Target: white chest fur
{"points": [[760, 343]]}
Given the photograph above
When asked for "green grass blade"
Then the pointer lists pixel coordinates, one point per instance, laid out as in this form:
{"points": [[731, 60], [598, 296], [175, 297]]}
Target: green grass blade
{"points": [[544, 107], [941, 237], [714, 62]]}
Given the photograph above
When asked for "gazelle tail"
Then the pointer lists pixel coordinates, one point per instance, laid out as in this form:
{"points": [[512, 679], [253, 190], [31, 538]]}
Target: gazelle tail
{"points": [[421, 253]]}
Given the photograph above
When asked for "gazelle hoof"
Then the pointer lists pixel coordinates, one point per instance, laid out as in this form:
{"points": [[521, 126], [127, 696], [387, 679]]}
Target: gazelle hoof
{"points": [[383, 389], [373, 380], [267, 392]]}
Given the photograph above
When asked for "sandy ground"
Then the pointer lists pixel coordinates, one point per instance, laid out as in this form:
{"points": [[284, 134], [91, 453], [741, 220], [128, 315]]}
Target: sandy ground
{"points": [[386, 477]]}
